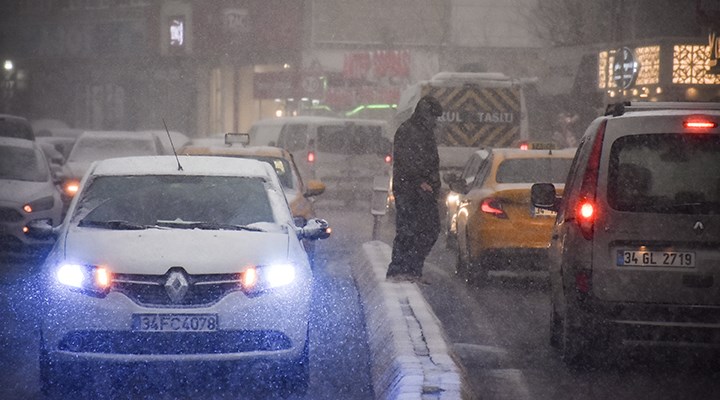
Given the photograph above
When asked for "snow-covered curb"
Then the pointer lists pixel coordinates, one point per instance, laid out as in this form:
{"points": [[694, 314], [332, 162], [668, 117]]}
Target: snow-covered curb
{"points": [[410, 357]]}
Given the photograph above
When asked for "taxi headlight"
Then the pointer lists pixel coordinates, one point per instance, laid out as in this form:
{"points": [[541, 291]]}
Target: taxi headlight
{"points": [[43, 204], [259, 278], [90, 279], [453, 199]]}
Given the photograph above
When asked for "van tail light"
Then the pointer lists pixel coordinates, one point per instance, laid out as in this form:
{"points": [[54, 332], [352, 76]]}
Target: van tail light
{"points": [[699, 124], [583, 281], [586, 206], [494, 207], [388, 159], [311, 157]]}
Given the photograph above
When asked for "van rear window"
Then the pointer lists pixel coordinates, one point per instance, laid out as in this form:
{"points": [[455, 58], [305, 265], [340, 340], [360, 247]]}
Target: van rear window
{"points": [[665, 173], [349, 139]]}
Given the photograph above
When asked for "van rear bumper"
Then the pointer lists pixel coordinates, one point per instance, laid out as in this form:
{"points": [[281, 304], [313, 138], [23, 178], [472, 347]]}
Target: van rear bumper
{"points": [[652, 324]]}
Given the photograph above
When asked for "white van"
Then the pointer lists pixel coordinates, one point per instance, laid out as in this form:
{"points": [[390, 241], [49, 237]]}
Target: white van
{"points": [[346, 154]]}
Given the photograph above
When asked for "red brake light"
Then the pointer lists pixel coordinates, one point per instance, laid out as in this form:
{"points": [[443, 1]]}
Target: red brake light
{"points": [[582, 281], [699, 123], [388, 159], [492, 206], [585, 208], [311, 157]]}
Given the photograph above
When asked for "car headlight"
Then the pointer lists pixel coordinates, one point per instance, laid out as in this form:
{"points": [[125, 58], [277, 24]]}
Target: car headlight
{"points": [[259, 278], [43, 204], [90, 279], [70, 187]]}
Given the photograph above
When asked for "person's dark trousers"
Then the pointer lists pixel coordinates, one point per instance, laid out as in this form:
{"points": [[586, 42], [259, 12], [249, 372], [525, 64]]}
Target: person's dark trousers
{"points": [[417, 226]]}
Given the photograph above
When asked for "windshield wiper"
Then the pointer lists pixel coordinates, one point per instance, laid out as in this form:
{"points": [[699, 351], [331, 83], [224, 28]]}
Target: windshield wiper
{"points": [[113, 224], [210, 226]]}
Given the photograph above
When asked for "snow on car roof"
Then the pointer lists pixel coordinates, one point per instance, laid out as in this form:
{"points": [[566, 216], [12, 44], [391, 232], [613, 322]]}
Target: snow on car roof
{"points": [[191, 165], [16, 142], [222, 150]]}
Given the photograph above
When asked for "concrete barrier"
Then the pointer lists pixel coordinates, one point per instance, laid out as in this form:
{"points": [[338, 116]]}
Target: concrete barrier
{"points": [[408, 348]]}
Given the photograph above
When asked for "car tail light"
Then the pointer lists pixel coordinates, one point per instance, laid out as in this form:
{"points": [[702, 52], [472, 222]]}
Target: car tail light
{"points": [[699, 123], [388, 159], [494, 207], [586, 207], [311, 157]]}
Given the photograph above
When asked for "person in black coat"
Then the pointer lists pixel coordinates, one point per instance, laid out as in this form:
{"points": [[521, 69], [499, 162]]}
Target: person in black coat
{"points": [[416, 187]]}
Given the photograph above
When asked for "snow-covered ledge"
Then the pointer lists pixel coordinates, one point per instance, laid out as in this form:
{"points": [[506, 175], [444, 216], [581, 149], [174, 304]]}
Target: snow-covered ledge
{"points": [[409, 353]]}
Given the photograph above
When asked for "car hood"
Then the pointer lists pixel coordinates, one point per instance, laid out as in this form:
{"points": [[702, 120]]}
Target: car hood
{"points": [[24, 191], [154, 251]]}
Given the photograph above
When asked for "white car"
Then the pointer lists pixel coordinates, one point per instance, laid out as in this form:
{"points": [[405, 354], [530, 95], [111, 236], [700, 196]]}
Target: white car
{"points": [[186, 260], [27, 193]]}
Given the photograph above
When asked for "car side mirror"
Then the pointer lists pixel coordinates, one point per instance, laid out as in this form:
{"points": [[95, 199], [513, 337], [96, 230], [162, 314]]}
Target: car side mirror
{"points": [[314, 188], [543, 195], [41, 229], [315, 229]]}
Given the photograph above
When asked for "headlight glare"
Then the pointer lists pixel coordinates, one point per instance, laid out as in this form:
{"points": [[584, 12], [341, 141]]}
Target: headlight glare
{"points": [[71, 275], [259, 278], [92, 279]]}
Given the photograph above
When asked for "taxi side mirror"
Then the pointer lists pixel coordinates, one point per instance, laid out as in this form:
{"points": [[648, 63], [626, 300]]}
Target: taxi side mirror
{"points": [[314, 188]]}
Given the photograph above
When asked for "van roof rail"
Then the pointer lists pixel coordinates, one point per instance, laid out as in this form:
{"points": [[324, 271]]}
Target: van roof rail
{"points": [[621, 108]]}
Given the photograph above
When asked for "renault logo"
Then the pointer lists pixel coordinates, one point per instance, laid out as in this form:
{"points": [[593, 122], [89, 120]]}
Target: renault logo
{"points": [[176, 286], [699, 227]]}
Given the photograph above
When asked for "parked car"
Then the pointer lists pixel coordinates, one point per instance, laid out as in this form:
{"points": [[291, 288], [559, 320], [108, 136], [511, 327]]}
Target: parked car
{"points": [[15, 126], [635, 254], [497, 227], [194, 264], [300, 195], [345, 153], [92, 146], [28, 193]]}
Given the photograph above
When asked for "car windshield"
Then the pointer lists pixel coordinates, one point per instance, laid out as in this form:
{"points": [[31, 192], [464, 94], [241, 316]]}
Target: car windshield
{"points": [[174, 200], [93, 148], [669, 173], [531, 170], [22, 164]]}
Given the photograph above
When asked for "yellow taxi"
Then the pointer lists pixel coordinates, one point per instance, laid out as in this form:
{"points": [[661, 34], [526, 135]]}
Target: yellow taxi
{"points": [[495, 224], [298, 193]]}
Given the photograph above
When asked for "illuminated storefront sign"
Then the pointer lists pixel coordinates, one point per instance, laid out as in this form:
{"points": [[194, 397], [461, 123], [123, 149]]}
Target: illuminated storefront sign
{"points": [[692, 65], [626, 68]]}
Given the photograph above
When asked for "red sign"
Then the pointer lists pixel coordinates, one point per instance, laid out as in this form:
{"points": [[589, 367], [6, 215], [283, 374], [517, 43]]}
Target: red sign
{"points": [[375, 65]]}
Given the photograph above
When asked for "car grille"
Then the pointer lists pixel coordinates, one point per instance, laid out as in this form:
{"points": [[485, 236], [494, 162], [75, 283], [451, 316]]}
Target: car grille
{"points": [[128, 342], [151, 290], [8, 214]]}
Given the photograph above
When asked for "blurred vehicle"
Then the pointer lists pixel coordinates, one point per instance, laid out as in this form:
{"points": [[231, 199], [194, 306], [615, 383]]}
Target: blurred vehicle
{"points": [[497, 227], [47, 126], [189, 260], [61, 144], [28, 193], [635, 250], [299, 195], [470, 172], [345, 154], [14, 126], [92, 146], [178, 139]]}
